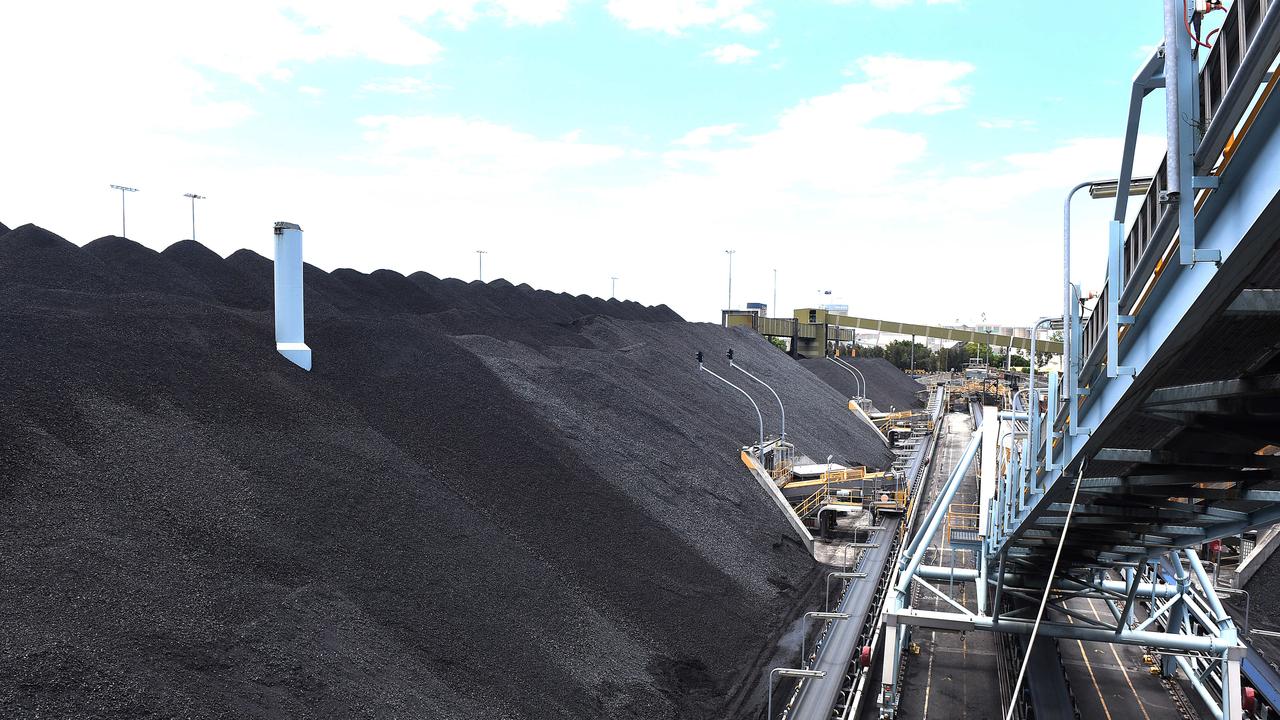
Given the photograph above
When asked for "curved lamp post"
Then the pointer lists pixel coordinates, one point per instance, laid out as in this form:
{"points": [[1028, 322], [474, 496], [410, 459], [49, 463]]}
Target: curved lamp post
{"points": [[789, 672], [775, 394], [744, 393], [804, 628]]}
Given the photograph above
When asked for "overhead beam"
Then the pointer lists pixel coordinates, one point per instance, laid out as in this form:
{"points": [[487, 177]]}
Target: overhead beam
{"points": [[1174, 457], [1252, 302], [820, 317], [1216, 390]]}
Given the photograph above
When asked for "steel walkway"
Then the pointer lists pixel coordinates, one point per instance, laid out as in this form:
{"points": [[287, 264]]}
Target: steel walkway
{"points": [[1162, 432]]}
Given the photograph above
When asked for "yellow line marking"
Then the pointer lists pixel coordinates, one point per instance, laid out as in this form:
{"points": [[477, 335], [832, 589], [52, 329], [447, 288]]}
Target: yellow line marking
{"points": [[928, 681], [1089, 666], [1142, 707]]}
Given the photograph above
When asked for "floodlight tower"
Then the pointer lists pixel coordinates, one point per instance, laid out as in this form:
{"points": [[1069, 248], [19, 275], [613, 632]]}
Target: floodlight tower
{"points": [[480, 254], [194, 197], [123, 190], [613, 288]]}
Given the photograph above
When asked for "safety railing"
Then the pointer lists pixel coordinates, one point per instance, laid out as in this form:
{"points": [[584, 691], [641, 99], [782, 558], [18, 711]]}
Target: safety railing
{"points": [[856, 473], [810, 504], [1153, 229]]}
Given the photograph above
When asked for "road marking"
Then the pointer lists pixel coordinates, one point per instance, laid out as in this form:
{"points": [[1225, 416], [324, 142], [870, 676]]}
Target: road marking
{"points": [[1089, 666], [928, 682], [1123, 670]]}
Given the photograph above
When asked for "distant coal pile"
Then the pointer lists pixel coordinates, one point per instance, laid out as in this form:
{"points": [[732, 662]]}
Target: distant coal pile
{"points": [[486, 501], [887, 386]]}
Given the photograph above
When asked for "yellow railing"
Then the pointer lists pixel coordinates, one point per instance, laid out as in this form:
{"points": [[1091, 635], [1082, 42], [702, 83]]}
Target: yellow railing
{"points": [[783, 470], [812, 502], [856, 473], [962, 516]]}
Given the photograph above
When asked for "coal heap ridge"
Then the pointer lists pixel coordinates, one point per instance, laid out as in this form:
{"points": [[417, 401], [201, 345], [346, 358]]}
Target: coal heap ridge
{"points": [[485, 501], [887, 386]]}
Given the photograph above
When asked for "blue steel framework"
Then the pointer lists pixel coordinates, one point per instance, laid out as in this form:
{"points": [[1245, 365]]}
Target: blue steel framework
{"points": [[1153, 447]]}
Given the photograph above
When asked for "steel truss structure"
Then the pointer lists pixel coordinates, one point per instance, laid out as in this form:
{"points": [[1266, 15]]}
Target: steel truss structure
{"points": [[1108, 480]]}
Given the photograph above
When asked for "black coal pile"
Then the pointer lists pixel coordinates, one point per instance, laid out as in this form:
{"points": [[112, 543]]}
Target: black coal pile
{"points": [[887, 387], [486, 501]]}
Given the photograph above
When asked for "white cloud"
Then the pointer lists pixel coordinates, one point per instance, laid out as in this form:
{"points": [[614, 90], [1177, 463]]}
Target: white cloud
{"points": [[732, 54], [310, 90], [674, 16], [398, 86], [746, 22], [476, 147], [700, 137]]}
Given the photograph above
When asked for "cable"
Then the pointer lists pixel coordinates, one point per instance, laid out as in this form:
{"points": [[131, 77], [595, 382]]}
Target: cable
{"points": [[1044, 600], [1208, 40]]}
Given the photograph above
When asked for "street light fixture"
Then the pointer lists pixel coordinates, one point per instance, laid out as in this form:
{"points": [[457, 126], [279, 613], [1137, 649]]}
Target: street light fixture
{"points": [[793, 673], [1071, 363], [838, 576], [1108, 188], [123, 190], [194, 197], [804, 628]]}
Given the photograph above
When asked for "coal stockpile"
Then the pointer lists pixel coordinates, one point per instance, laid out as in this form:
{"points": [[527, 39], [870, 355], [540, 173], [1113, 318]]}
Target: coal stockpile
{"points": [[486, 501], [887, 387]]}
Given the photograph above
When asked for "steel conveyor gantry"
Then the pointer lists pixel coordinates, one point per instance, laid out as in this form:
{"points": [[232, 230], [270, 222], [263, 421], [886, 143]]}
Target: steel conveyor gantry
{"points": [[1159, 435]]}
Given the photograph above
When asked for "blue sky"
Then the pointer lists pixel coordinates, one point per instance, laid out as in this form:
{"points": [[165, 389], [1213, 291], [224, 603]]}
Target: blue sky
{"points": [[908, 155]]}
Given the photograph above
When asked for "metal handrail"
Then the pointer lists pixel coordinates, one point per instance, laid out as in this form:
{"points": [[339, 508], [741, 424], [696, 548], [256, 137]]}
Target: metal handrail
{"points": [[1236, 56]]}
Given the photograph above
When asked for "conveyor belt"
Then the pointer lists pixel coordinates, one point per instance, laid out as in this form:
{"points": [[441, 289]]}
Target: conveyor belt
{"points": [[1047, 687], [820, 699], [816, 698], [1261, 676]]}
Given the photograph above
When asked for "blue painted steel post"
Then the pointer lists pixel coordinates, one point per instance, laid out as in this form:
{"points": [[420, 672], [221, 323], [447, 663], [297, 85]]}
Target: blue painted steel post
{"points": [[290, 321], [1115, 288], [1049, 465]]}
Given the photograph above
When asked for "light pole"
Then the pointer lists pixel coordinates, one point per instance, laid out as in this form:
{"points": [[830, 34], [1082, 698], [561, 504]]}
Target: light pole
{"points": [[783, 439], [730, 254], [480, 254], [838, 576], [804, 627], [194, 197], [789, 672], [1070, 363], [613, 288], [759, 416], [123, 190], [855, 372], [775, 293]]}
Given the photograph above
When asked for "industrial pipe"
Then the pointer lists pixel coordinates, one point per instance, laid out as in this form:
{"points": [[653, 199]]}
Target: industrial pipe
{"points": [[290, 321]]}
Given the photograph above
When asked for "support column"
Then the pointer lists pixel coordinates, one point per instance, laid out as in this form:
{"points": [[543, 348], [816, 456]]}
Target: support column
{"points": [[1232, 693]]}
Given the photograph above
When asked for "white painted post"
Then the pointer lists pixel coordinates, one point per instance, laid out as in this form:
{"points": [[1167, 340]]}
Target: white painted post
{"points": [[290, 320]]}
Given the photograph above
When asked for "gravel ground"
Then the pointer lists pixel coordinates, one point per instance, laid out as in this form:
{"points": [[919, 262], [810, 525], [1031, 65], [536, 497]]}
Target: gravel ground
{"points": [[887, 386], [486, 501]]}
